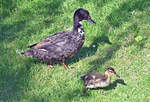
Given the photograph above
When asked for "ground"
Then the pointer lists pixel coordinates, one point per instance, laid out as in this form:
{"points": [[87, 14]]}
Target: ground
{"points": [[120, 39]]}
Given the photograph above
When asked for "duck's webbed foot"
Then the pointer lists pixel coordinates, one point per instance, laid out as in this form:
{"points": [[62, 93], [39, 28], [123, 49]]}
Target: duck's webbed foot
{"points": [[50, 66]]}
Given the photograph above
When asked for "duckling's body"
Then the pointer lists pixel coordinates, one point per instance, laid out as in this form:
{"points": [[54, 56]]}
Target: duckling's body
{"points": [[96, 80], [61, 45]]}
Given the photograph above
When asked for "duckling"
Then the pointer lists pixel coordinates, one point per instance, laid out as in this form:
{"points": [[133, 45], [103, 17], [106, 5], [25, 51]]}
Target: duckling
{"points": [[96, 80], [61, 45]]}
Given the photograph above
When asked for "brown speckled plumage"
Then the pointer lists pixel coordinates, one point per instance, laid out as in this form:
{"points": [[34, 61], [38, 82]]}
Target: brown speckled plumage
{"points": [[61, 45]]}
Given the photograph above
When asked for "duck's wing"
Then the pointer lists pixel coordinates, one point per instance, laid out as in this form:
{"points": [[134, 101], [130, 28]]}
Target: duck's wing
{"points": [[56, 47], [97, 76], [50, 39], [93, 77]]}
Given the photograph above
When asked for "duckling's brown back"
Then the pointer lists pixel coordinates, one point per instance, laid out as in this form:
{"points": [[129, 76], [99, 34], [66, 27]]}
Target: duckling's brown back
{"points": [[93, 77]]}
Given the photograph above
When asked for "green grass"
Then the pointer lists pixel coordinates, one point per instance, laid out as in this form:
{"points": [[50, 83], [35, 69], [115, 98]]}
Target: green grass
{"points": [[121, 37]]}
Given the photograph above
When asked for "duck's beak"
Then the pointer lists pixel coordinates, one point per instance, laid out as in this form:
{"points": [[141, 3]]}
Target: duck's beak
{"points": [[91, 20], [116, 75]]}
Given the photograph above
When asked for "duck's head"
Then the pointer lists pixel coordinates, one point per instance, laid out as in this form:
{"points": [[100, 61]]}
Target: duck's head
{"points": [[82, 14], [110, 71]]}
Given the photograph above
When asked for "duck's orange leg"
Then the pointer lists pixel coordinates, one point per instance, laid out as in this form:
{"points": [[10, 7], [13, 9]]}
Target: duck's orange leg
{"points": [[63, 63], [50, 66], [65, 66]]}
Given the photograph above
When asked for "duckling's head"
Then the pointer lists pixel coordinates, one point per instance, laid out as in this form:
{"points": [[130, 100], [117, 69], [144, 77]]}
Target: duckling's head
{"points": [[110, 71], [82, 14]]}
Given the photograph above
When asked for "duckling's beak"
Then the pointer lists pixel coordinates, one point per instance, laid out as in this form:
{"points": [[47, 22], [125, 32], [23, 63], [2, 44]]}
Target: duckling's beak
{"points": [[116, 75], [91, 20]]}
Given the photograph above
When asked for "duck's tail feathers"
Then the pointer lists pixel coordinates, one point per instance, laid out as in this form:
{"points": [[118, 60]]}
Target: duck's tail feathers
{"points": [[83, 77], [27, 53], [18, 52]]}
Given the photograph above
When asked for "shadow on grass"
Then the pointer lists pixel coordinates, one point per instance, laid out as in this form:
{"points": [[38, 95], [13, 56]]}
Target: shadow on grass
{"points": [[7, 7], [89, 51], [97, 63], [12, 31], [113, 85], [76, 94], [15, 75], [14, 80], [117, 18], [126, 11]]}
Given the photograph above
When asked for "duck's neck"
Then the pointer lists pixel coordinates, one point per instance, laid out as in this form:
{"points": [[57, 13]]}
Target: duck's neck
{"points": [[107, 76], [78, 27]]}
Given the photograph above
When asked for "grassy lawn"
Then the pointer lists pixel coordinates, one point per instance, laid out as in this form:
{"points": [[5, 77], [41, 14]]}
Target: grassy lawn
{"points": [[121, 38]]}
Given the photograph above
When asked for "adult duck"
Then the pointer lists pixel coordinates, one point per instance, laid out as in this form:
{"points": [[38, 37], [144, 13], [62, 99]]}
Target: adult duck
{"points": [[61, 45]]}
